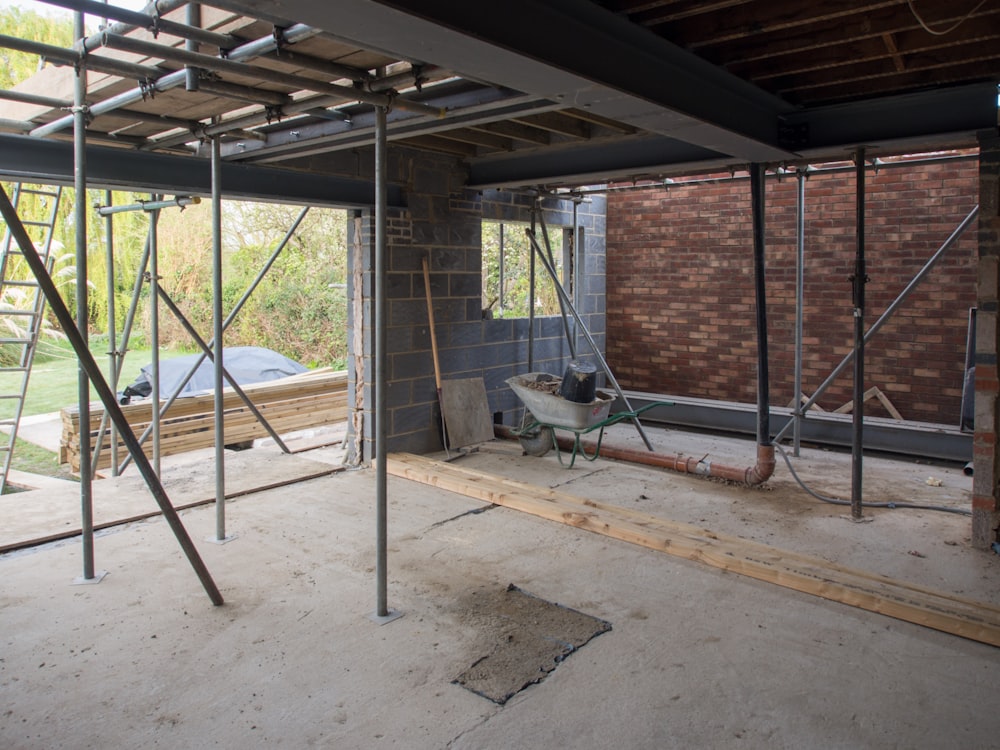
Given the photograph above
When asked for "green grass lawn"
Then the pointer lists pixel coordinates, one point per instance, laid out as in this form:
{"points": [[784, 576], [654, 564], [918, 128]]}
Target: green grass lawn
{"points": [[54, 384], [36, 460]]}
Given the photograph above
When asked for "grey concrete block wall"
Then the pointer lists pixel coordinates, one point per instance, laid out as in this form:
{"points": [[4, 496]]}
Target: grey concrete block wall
{"points": [[442, 222]]}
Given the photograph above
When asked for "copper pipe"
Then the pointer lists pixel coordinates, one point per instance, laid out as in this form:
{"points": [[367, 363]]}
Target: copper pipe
{"points": [[751, 476]]}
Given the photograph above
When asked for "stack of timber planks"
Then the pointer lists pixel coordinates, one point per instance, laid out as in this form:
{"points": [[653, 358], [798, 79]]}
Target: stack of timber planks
{"points": [[312, 399]]}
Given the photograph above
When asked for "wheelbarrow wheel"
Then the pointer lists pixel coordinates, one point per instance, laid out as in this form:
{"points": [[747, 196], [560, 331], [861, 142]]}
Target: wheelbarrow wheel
{"points": [[537, 441]]}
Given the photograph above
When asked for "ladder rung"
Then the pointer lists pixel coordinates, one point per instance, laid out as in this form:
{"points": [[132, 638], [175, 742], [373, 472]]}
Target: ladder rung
{"points": [[34, 223], [19, 283], [15, 341], [4, 448], [7, 422], [21, 313], [11, 395], [33, 191], [13, 369]]}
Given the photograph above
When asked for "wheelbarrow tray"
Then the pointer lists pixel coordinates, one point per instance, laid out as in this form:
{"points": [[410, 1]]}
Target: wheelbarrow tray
{"points": [[553, 410]]}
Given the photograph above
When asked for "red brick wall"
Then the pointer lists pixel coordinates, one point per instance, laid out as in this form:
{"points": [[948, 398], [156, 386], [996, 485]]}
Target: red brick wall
{"points": [[681, 301]]}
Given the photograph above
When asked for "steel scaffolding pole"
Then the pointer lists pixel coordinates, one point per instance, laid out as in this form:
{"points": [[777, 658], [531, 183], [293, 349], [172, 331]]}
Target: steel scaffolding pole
{"points": [[79, 116], [532, 281], [109, 237], [757, 209], [800, 260], [382, 611], [219, 371], [578, 275], [154, 335], [193, 18], [858, 281], [180, 201]]}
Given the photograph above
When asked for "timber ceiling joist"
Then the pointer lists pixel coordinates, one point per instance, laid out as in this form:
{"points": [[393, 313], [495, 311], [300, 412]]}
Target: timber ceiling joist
{"points": [[525, 92]]}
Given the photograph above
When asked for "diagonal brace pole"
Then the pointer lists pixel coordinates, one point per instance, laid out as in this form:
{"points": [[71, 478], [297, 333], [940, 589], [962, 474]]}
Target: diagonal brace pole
{"points": [[586, 333], [562, 305], [208, 353], [111, 405]]}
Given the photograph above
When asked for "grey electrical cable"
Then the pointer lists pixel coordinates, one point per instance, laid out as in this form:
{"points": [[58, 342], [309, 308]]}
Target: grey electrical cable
{"points": [[838, 501]]}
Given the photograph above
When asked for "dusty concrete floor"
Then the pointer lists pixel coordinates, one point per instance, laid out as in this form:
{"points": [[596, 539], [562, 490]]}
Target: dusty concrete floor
{"points": [[696, 657]]}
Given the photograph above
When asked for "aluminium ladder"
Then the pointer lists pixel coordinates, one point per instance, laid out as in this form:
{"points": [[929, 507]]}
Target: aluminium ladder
{"points": [[21, 309]]}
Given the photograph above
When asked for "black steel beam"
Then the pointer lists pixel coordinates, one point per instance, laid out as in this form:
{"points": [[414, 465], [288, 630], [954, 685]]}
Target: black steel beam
{"points": [[566, 50], [896, 121], [592, 161], [25, 158], [935, 441]]}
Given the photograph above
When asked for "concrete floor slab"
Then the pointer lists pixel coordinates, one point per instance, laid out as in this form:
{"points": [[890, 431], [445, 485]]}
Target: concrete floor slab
{"points": [[696, 657]]}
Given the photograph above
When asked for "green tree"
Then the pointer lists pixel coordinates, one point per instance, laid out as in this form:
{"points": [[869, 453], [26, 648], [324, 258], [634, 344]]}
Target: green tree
{"points": [[49, 28]]}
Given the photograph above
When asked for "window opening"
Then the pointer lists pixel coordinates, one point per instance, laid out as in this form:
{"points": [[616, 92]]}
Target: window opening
{"points": [[507, 269]]}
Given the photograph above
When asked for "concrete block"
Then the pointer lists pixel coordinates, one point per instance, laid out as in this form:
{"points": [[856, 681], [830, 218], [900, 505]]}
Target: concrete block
{"points": [[430, 233], [399, 339], [415, 418], [424, 441], [466, 285], [411, 365], [495, 377], [440, 209], [466, 234], [448, 259], [474, 308], [402, 312], [465, 334], [474, 260], [551, 325], [399, 393], [497, 330], [409, 259], [399, 286]]}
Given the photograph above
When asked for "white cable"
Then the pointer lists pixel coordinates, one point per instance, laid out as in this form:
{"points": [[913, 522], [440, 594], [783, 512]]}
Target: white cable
{"points": [[951, 28]]}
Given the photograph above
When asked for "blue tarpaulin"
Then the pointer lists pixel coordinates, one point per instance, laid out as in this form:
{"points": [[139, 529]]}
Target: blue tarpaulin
{"points": [[246, 364]]}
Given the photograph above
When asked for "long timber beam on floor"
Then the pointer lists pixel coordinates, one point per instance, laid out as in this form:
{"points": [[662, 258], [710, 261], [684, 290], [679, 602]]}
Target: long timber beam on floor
{"points": [[903, 437], [27, 159]]}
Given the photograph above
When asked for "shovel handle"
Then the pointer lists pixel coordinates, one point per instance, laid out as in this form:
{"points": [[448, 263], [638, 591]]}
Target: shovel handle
{"points": [[430, 319]]}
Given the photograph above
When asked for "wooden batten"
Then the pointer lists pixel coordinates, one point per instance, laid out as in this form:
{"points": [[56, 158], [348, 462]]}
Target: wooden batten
{"points": [[979, 621]]}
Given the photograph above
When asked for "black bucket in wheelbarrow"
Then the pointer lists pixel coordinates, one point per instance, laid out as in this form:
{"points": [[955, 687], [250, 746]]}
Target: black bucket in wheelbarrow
{"points": [[579, 384]]}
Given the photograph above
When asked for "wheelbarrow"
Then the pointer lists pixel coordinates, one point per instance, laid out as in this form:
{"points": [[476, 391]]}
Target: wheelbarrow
{"points": [[548, 412]]}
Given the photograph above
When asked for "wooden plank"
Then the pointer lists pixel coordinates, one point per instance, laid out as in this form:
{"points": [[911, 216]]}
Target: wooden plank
{"points": [[979, 621]]}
